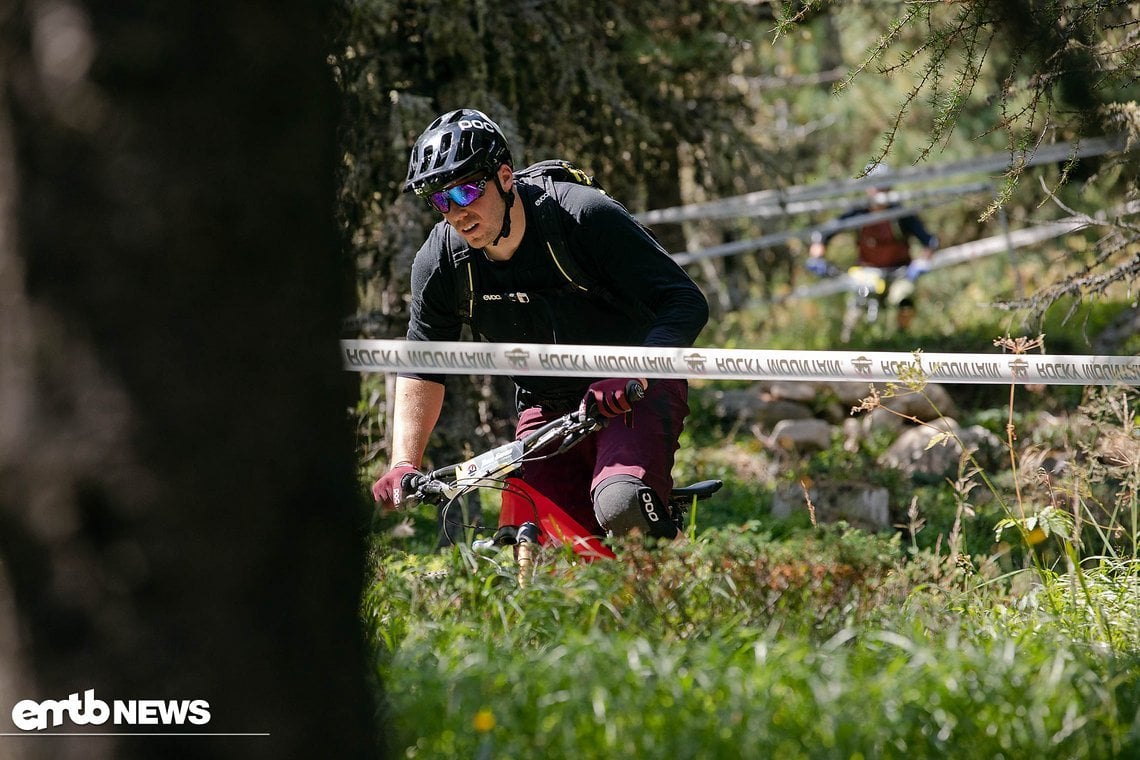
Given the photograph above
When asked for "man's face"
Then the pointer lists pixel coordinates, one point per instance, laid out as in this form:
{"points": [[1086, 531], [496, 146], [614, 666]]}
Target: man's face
{"points": [[876, 196], [479, 222]]}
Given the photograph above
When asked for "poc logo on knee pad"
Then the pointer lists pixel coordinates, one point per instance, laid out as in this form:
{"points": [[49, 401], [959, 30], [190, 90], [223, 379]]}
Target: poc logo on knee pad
{"points": [[623, 503], [656, 517], [649, 505]]}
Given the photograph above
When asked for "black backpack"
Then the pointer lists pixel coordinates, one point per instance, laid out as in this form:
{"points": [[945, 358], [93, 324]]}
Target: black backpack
{"points": [[550, 224]]}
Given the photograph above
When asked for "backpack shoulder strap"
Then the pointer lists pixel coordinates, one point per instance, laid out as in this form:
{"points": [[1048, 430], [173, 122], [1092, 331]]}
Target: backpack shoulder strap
{"points": [[550, 222], [460, 258], [553, 232]]}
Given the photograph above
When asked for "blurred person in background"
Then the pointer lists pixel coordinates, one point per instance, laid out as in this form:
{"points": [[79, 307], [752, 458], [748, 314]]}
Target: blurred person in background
{"points": [[885, 245]]}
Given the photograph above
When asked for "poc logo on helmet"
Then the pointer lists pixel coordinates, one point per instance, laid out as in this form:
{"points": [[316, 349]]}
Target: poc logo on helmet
{"points": [[475, 124]]}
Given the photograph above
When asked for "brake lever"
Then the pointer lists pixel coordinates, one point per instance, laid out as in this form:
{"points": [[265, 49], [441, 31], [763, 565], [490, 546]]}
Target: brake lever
{"points": [[421, 488], [634, 391]]}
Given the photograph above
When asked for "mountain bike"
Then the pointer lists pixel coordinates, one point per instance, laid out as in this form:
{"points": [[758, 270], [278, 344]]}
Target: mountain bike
{"points": [[528, 519], [869, 291]]}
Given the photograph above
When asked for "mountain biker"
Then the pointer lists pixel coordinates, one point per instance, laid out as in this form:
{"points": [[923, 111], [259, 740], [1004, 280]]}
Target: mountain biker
{"points": [[618, 479], [884, 244]]}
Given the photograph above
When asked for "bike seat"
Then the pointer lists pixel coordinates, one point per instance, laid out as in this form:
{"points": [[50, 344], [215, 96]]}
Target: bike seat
{"points": [[701, 490]]}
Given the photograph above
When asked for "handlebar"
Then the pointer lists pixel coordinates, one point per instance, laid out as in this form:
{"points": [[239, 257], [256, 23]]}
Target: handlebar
{"points": [[422, 485], [488, 468], [861, 272]]}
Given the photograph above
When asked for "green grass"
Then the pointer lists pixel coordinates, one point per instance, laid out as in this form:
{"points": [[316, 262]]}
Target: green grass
{"points": [[823, 645], [879, 695]]}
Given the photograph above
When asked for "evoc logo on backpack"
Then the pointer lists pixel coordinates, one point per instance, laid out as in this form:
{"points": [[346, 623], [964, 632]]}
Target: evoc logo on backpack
{"points": [[512, 297]]}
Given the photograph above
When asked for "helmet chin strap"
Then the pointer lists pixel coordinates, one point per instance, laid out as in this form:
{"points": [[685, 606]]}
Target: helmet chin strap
{"points": [[508, 202]]}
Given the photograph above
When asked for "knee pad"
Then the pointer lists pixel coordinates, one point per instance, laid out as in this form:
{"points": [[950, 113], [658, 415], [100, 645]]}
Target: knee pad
{"points": [[623, 503]]}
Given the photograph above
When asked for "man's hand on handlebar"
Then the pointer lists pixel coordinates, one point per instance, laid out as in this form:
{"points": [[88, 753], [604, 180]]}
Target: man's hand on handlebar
{"points": [[917, 268], [615, 396], [388, 490]]}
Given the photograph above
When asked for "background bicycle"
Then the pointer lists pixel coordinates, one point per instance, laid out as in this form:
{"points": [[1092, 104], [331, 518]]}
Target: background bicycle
{"points": [[870, 292], [873, 290]]}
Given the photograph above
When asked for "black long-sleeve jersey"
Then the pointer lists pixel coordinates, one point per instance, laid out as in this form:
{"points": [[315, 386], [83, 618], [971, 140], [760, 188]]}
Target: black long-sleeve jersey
{"points": [[527, 300]]}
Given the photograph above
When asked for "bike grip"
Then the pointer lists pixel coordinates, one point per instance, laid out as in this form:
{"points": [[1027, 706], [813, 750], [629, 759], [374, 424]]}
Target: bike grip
{"points": [[634, 391], [411, 482]]}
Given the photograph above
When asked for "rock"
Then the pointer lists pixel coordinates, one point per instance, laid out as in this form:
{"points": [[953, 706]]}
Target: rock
{"points": [[852, 434], [850, 393], [913, 451], [988, 448], [804, 392], [747, 406], [861, 504], [1063, 431], [932, 403], [881, 419], [801, 435]]}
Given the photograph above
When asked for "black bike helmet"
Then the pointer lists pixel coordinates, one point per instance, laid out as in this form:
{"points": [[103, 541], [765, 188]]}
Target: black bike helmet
{"points": [[457, 144]]}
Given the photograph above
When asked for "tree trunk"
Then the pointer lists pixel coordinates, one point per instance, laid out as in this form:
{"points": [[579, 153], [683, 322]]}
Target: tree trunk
{"points": [[179, 518]]}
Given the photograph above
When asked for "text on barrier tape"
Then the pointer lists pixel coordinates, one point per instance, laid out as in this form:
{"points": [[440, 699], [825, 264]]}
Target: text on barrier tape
{"points": [[519, 359]]}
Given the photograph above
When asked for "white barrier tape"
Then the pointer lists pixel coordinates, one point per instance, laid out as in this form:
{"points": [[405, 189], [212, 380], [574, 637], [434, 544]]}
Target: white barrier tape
{"points": [[776, 238], [748, 203], [792, 208], [468, 358]]}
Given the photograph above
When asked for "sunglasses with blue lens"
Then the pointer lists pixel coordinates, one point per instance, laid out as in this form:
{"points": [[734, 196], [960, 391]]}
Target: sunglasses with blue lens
{"points": [[460, 195]]}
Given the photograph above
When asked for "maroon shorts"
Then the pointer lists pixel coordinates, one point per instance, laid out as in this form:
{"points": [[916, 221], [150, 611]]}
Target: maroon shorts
{"points": [[644, 451]]}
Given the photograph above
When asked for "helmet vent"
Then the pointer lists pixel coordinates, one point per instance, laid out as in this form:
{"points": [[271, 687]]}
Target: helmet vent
{"points": [[465, 148], [425, 159], [444, 147]]}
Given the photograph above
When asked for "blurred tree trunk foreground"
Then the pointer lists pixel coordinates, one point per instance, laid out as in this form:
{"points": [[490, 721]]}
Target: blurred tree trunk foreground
{"points": [[178, 513]]}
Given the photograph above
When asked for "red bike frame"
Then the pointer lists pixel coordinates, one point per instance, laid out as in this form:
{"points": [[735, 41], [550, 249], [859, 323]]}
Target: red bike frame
{"points": [[522, 504]]}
